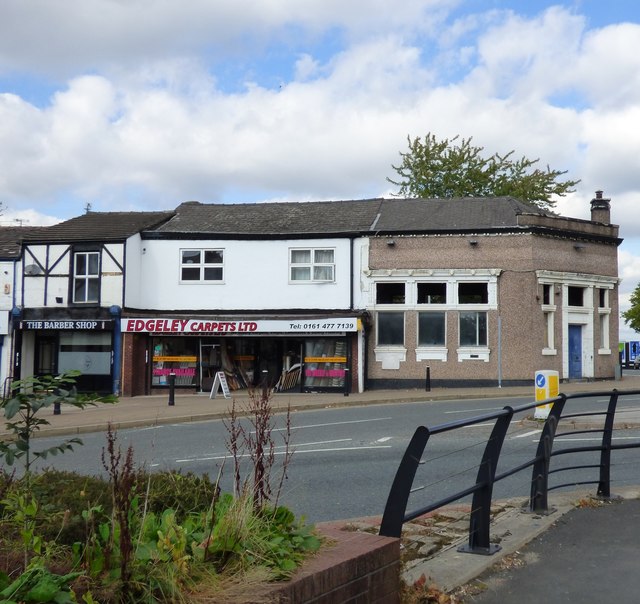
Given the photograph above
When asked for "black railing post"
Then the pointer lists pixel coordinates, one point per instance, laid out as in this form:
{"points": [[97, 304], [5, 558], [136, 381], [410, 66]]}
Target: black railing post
{"points": [[394, 511], [427, 383], [57, 407], [604, 486], [172, 389], [347, 381], [479, 540], [538, 499]]}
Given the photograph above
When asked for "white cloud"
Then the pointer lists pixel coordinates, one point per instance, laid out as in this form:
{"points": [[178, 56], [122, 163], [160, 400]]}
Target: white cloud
{"points": [[605, 70], [27, 218], [155, 124], [526, 58], [55, 37]]}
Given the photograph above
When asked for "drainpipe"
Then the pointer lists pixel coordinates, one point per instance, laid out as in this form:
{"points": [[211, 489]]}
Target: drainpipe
{"points": [[115, 312], [499, 351]]}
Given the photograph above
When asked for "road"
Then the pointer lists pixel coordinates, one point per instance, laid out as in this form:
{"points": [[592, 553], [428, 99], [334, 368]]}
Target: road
{"points": [[345, 459]]}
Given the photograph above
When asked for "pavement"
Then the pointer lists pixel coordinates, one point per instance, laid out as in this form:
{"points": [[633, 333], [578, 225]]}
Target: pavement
{"points": [[592, 548], [131, 412]]}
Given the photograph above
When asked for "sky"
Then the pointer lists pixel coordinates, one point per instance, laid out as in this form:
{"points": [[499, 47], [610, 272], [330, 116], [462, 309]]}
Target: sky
{"points": [[143, 104]]}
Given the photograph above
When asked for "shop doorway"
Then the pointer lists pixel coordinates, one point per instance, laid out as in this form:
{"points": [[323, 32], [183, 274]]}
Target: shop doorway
{"points": [[46, 357], [209, 364], [86, 352]]}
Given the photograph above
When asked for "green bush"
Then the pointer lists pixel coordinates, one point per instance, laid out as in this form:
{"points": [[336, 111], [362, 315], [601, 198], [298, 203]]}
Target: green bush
{"points": [[182, 493], [59, 534], [63, 497]]}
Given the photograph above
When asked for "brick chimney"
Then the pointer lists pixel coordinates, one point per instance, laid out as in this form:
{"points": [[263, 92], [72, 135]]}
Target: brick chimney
{"points": [[600, 209]]}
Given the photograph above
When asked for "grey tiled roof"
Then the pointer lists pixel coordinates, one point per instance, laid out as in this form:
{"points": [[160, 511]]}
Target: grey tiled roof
{"points": [[346, 217], [11, 239], [101, 226], [274, 218], [403, 215]]}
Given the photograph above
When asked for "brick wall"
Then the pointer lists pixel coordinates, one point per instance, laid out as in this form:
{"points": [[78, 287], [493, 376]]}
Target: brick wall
{"points": [[352, 568]]}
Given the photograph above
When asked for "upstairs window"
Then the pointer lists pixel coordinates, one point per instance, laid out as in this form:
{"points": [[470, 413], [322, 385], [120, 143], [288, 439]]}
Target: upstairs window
{"points": [[432, 293], [198, 266], [603, 298], [576, 295], [390, 293], [473, 293], [86, 277], [312, 265]]}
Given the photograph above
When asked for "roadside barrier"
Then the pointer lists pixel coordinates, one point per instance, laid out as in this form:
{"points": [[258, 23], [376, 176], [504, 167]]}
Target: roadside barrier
{"points": [[395, 513]]}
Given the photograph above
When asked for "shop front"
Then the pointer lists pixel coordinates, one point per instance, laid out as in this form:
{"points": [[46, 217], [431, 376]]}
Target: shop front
{"points": [[55, 346], [309, 355]]}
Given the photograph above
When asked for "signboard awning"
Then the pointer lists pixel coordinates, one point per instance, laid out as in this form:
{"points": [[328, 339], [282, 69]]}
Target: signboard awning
{"points": [[220, 326], [64, 324]]}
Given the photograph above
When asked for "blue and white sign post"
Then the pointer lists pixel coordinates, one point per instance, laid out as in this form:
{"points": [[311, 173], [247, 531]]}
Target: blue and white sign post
{"points": [[546, 387]]}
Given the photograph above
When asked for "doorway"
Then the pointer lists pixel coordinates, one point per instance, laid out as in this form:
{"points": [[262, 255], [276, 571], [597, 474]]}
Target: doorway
{"points": [[46, 358], [575, 351]]}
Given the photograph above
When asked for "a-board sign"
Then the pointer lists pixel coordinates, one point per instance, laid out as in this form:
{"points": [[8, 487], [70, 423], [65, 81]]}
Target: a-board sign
{"points": [[220, 381]]}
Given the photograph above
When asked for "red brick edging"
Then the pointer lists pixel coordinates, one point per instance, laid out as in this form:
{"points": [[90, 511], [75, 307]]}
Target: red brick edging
{"points": [[351, 567]]}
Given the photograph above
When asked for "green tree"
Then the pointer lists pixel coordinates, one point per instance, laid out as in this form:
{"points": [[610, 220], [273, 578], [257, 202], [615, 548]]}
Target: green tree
{"points": [[632, 316], [456, 168]]}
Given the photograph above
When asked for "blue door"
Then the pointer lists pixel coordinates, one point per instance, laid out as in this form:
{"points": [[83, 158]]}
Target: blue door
{"points": [[575, 351]]}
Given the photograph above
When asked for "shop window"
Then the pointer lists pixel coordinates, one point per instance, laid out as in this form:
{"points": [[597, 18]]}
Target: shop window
{"points": [[473, 293], [311, 265], [431, 329], [432, 293], [89, 353], [576, 295], [86, 277], [175, 355], [325, 363], [390, 329], [390, 293], [197, 266], [473, 329]]}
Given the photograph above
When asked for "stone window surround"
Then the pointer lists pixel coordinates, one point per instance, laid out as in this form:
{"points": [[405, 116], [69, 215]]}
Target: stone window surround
{"points": [[391, 356]]}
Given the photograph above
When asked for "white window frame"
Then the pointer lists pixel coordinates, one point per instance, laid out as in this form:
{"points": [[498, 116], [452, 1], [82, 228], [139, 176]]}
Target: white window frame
{"points": [[404, 329], [431, 352], [312, 264], [549, 314], [443, 313], [201, 265], [604, 314], [477, 328], [88, 277]]}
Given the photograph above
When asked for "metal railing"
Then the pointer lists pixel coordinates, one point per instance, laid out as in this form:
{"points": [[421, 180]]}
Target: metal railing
{"points": [[395, 513]]}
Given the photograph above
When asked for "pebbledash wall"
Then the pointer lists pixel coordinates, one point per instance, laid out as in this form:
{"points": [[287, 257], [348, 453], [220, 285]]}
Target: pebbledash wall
{"points": [[493, 308]]}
